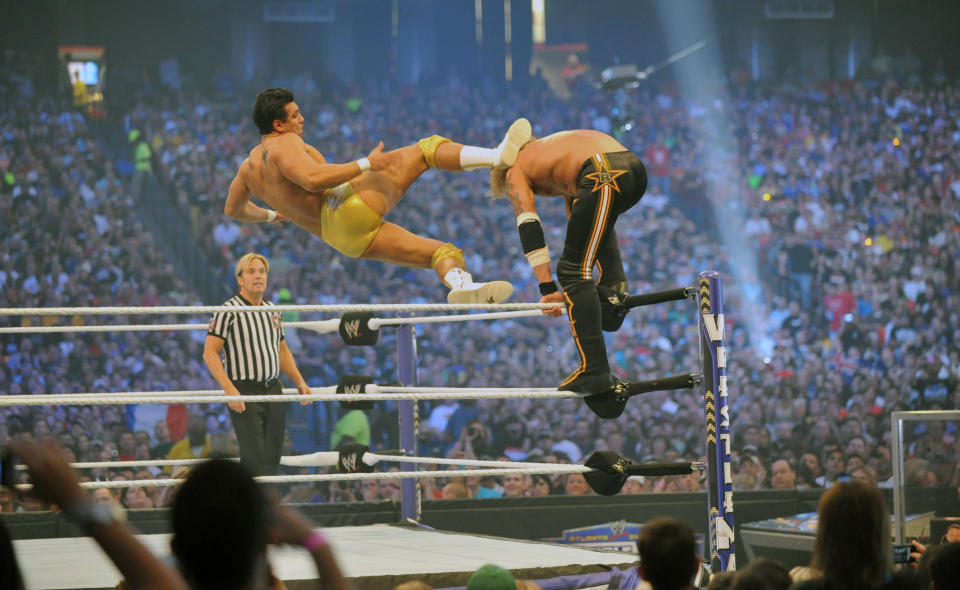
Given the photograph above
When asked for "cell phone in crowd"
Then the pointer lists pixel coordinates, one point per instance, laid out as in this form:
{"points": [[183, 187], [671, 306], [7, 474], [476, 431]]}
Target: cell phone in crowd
{"points": [[901, 553], [703, 575]]}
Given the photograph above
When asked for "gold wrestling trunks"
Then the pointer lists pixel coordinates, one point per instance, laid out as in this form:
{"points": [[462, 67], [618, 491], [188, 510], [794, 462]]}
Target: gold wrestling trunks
{"points": [[347, 223]]}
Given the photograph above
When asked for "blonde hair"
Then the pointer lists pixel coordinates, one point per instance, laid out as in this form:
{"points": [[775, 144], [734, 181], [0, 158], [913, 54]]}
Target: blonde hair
{"points": [[498, 176], [244, 262], [457, 489], [498, 182]]}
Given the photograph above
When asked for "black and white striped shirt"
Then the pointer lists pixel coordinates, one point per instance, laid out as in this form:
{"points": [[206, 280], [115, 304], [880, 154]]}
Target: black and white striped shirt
{"points": [[251, 348]]}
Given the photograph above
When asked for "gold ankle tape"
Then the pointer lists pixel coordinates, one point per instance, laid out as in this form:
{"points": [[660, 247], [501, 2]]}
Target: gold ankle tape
{"points": [[429, 145], [447, 251]]}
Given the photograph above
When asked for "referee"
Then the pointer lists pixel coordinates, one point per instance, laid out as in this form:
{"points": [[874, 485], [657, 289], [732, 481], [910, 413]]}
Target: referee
{"points": [[254, 352]]}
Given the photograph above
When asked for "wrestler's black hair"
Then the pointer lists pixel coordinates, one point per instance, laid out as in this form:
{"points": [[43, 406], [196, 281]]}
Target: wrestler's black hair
{"points": [[269, 107], [220, 520]]}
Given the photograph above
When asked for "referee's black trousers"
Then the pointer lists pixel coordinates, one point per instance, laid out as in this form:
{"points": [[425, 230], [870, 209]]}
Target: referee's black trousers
{"points": [[260, 428]]}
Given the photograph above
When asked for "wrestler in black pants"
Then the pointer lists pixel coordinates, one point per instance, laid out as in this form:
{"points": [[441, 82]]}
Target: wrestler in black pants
{"points": [[609, 184], [260, 427]]}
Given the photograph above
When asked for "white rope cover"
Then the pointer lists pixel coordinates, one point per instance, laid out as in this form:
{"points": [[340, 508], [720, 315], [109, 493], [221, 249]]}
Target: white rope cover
{"points": [[289, 395], [207, 309], [328, 458], [319, 459], [374, 388]]}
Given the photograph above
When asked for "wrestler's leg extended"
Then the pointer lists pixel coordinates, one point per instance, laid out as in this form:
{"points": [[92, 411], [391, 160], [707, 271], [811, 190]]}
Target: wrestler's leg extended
{"points": [[396, 245], [386, 187], [440, 152], [381, 190]]}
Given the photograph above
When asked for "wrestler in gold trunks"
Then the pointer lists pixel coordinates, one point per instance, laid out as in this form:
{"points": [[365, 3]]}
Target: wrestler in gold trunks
{"points": [[344, 204]]}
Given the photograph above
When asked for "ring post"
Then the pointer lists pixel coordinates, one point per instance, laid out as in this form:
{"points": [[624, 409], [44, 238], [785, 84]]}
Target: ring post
{"points": [[407, 411], [896, 450], [720, 479]]}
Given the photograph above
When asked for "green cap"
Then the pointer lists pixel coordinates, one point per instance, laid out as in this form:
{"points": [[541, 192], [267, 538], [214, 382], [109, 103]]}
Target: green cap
{"points": [[133, 135], [492, 577], [9, 178]]}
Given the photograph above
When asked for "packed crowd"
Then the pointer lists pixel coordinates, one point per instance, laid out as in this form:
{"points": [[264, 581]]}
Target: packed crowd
{"points": [[845, 193], [223, 522], [72, 237]]}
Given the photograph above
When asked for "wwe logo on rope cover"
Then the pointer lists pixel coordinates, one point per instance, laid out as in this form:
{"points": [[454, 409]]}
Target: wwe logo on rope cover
{"points": [[353, 388], [351, 459], [352, 328], [349, 463]]}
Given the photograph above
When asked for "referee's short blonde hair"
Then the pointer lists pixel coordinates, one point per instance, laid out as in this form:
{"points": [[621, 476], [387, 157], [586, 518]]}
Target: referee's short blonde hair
{"points": [[244, 262]]}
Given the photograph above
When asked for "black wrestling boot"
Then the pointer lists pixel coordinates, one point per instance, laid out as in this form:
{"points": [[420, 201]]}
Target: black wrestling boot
{"points": [[583, 309], [586, 383], [612, 308]]}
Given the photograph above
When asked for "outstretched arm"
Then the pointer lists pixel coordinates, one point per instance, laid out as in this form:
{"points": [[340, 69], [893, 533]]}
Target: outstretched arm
{"points": [[292, 528], [54, 481], [302, 168], [532, 239], [239, 207]]}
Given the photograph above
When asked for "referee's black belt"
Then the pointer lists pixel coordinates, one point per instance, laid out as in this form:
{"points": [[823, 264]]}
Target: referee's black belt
{"points": [[251, 382]]}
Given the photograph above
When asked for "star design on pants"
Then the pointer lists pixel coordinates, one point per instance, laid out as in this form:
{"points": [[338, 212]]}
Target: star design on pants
{"points": [[605, 176]]}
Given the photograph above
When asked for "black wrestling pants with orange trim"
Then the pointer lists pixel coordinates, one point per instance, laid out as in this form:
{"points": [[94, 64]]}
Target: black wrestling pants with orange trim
{"points": [[609, 185]]}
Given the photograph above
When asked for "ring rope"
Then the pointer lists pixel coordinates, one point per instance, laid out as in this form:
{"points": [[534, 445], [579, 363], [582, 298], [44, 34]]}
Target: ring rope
{"points": [[207, 309], [465, 462], [329, 458], [371, 389], [140, 463], [152, 483], [320, 459], [320, 326], [289, 395], [503, 315], [548, 469]]}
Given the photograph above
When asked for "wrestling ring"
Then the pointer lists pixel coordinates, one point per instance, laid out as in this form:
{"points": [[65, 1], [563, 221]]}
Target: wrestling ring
{"points": [[62, 563]]}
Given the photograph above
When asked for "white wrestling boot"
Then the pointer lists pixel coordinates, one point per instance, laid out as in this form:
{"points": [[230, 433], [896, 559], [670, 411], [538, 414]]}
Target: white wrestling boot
{"points": [[464, 291], [518, 134]]}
